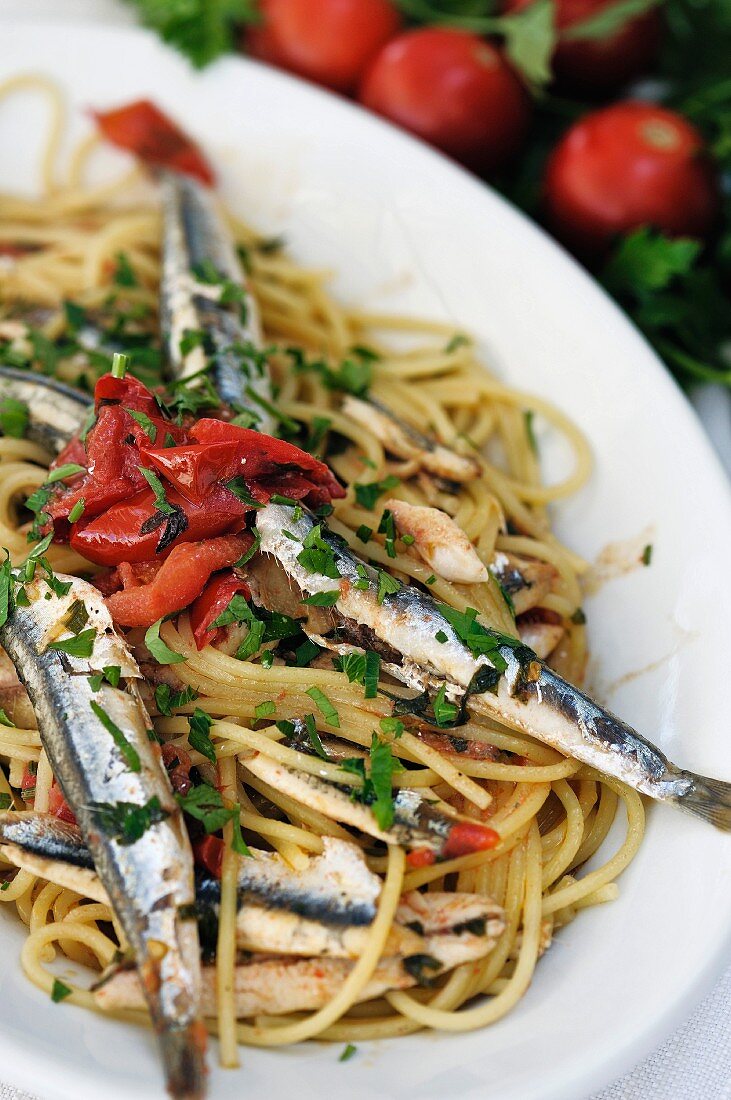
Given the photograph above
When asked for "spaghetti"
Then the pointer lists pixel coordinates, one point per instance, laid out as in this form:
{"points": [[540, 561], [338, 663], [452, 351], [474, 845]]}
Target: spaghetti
{"points": [[98, 248]]}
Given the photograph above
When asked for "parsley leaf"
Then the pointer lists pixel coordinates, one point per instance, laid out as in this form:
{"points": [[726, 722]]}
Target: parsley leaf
{"points": [[14, 417], [157, 647], [199, 736], [368, 493], [128, 752], [59, 991], [325, 707], [127, 821], [82, 645]]}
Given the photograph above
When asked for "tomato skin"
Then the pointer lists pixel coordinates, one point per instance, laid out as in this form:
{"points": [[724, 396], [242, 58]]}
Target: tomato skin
{"points": [[598, 66], [208, 853], [625, 166], [455, 91], [328, 41], [179, 582], [212, 602]]}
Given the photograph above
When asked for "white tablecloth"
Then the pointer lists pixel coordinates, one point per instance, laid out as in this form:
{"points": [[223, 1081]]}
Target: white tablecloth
{"points": [[695, 1062]]}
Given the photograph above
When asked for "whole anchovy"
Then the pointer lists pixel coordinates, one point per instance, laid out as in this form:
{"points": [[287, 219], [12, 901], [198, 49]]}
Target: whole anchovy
{"points": [[97, 741], [197, 248], [522, 691]]}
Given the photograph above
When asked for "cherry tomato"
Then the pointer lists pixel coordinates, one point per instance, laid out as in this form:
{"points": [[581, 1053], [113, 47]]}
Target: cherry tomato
{"points": [[328, 41], [597, 66], [625, 166], [455, 91]]}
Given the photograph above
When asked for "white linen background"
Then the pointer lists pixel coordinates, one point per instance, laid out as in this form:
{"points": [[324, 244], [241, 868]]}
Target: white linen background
{"points": [[695, 1062]]}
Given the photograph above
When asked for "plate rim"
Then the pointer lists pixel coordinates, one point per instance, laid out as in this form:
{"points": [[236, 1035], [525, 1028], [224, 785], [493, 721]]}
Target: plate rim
{"points": [[605, 1069]]}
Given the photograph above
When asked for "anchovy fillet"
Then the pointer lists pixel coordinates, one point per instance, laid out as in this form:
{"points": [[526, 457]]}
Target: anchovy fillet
{"points": [[97, 742], [55, 411], [195, 240], [528, 695]]}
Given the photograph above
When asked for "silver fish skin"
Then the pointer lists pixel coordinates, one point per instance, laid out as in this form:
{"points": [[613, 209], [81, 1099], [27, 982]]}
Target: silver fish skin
{"points": [[150, 880], [194, 234], [528, 695], [56, 411]]}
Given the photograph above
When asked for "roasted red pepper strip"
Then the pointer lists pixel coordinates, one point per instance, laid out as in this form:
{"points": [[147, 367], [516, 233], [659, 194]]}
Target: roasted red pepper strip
{"points": [[222, 451], [213, 600], [208, 853], [142, 128], [115, 536], [179, 582]]}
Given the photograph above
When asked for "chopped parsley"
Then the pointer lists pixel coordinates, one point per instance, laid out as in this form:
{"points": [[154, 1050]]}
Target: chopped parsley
{"points": [[265, 710], [445, 712], [367, 493], [387, 585], [123, 272], [348, 1051], [82, 645], [314, 736], [161, 502], [77, 617], [4, 720], [127, 751], [646, 558], [578, 617], [168, 700], [69, 469], [199, 736], [325, 707], [459, 340], [205, 804], [364, 533], [157, 647], [59, 991], [317, 556], [387, 527], [14, 417], [323, 599], [127, 821], [392, 727], [77, 511], [145, 423], [376, 786], [319, 428], [440, 637], [240, 489]]}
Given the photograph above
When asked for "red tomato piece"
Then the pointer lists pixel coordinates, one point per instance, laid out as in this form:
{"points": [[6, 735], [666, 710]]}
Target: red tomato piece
{"points": [[142, 128], [328, 41], [208, 852], [58, 806], [598, 66], [116, 535], [469, 836], [626, 166], [212, 602], [179, 582], [455, 91]]}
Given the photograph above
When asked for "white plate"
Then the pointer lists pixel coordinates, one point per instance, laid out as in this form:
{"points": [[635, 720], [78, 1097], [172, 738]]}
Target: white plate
{"points": [[408, 231]]}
